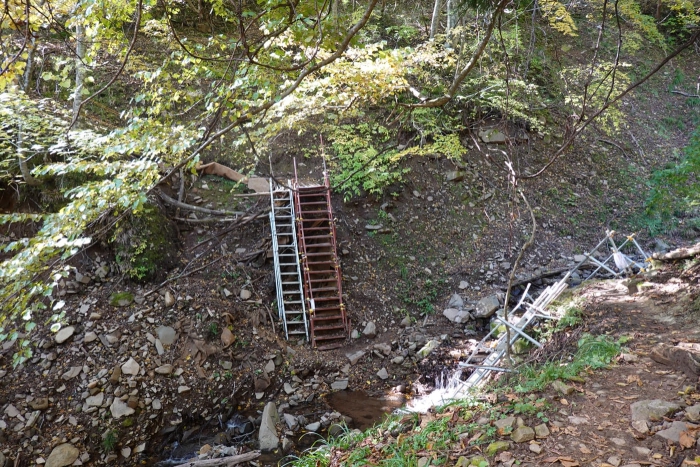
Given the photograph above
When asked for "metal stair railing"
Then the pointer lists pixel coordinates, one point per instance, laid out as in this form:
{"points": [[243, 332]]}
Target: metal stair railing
{"points": [[536, 309], [294, 256]]}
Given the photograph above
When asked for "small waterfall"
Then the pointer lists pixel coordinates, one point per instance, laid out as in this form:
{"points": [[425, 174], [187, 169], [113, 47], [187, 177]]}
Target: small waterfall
{"points": [[448, 387]]}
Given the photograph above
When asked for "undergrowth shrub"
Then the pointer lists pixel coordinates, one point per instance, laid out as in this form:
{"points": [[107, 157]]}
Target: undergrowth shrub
{"points": [[673, 200]]}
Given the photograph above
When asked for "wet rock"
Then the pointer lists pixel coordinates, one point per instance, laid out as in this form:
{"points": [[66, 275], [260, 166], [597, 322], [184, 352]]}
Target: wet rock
{"points": [[652, 410], [267, 435], [340, 385], [166, 334], [496, 447], [673, 433], [120, 409], [428, 348], [62, 455], [370, 330], [169, 299], [562, 388], [523, 434], [487, 306], [355, 357], [313, 426], [131, 367], [383, 374], [64, 334]]}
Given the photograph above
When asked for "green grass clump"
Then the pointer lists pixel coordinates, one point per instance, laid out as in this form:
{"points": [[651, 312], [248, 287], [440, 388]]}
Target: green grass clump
{"points": [[593, 352]]}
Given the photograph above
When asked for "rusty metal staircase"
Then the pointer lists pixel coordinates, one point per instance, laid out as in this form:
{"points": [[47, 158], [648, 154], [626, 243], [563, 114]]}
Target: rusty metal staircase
{"points": [[329, 326], [288, 278]]}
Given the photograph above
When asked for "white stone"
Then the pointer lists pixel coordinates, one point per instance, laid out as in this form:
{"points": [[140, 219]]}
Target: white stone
{"points": [[131, 367], [96, 400], [120, 409], [64, 334]]}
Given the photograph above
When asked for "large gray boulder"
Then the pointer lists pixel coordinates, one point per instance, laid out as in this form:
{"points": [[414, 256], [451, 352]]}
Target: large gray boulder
{"points": [[652, 410], [487, 306], [267, 436]]}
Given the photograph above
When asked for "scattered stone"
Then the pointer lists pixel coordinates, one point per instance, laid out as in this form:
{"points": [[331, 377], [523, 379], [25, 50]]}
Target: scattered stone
{"points": [[457, 316], [579, 258], [245, 294], [72, 373], [313, 426], [156, 404], [504, 423], [674, 432], [291, 421], [62, 455], [96, 400], [536, 448], [523, 434], [455, 176], [120, 409], [574, 420], [166, 334], [370, 330], [487, 306], [41, 403], [423, 461], [181, 389], [355, 334], [562, 388], [131, 367], [267, 436], [428, 348], [126, 452], [121, 299], [116, 375], [615, 461], [455, 302], [463, 285], [692, 413], [641, 426], [496, 447], [287, 445], [11, 411], [89, 337], [406, 322], [288, 388], [652, 410], [340, 385], [270, 367], [541, 431], [374, 227], [383, 374], [64, 334], [165, 369], [641, 451], [492, 136], [618, 441], [169, 299], [355, 357], [227, 293]]}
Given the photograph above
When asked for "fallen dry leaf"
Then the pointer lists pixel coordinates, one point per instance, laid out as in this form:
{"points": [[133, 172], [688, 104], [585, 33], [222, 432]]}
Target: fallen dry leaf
{"points": [[569, 463], [687, 441], [584, 450], [564, 402], [227, 337]]}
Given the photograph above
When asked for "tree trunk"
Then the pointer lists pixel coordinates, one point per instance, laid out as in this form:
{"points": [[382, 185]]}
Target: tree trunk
{"points": [[79, 68], [30, 62], [451, 16], [436, 18], [23, 161]]}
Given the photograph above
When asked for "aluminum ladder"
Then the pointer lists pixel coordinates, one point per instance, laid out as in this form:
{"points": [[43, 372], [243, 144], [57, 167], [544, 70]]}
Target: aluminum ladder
{"points": [[288, 278]]}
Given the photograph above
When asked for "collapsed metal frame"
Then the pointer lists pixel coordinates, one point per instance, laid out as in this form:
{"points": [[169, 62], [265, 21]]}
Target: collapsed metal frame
{"points": [[536, 308]]}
